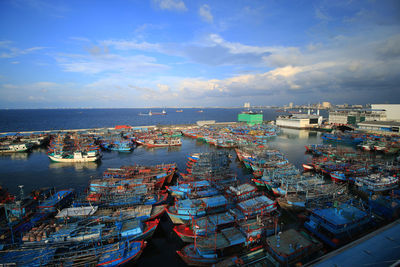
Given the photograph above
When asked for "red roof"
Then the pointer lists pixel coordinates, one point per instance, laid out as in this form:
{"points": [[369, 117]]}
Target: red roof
{"points": [[123, 127]]}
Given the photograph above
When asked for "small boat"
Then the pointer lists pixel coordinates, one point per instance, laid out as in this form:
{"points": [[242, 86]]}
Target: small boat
{"points": [[308, 167], [179, 110]]}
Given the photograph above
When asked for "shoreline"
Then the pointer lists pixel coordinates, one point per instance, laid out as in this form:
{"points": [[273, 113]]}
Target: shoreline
{"points": [[162, 126]]}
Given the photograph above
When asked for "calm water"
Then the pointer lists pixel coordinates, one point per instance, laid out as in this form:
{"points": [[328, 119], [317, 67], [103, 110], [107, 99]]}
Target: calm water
{"points": [[58, 119], [35, 170]]}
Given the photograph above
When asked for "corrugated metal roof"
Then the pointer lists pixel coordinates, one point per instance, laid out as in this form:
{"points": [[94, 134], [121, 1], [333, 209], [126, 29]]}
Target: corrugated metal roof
{"points": [[380, 248]]}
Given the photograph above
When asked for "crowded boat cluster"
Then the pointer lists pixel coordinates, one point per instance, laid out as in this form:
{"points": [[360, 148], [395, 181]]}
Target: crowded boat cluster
{"points": [[340, 194], [18, 142], [233, 136]]}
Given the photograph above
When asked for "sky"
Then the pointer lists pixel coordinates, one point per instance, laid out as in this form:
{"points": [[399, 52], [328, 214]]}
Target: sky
{"points": [[137, 53]]}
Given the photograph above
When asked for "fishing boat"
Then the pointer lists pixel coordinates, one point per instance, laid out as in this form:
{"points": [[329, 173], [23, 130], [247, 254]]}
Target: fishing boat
{"points": [[77, 156], [14, 147], [120, 253], [339, 224], [204, 226], [159, 142], [290, 246], [307, 167], [58, 200], [376, 182], [121, 145], [192, 190], [185, 210], [139, 230], [338, 176], [209, 250]]}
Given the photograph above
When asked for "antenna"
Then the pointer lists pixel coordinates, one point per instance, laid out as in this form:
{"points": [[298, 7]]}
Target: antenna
{"points": [[21, 187]]}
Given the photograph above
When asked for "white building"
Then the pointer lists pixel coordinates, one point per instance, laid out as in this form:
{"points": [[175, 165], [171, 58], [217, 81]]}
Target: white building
{"points": [[247, 105], [299, 121], [392, 110]]}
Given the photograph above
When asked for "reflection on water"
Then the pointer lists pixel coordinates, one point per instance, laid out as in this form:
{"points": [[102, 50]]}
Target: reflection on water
{"points": [[168, 148], [298, 133], [15, 156], [291, 143], [78, 166]]}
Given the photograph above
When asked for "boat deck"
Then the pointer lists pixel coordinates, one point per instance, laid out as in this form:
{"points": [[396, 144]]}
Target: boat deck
{"points": [[344, 214], [290, 242], [227, 237]]}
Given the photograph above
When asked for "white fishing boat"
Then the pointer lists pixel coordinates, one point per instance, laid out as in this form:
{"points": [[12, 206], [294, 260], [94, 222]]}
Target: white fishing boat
{"points": [[14, 147], [77, 156]]}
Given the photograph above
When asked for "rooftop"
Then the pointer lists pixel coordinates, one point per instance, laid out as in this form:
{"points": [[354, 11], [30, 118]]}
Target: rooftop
{"points": [[344, 214], [380, 123], [379, 248], [290, 241]]}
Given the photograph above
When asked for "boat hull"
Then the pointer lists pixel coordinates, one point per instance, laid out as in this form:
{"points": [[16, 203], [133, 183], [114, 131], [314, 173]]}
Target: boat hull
{"points": [[88, 159]]}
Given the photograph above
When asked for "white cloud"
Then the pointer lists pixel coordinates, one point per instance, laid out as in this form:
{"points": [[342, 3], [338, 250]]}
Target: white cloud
{"points": [[131, 45], [350, 68], [175, 5], [7, 50], [99, 63], [205, 13]]}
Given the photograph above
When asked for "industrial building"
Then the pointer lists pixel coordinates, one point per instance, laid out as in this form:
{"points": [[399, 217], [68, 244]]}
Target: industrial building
{"points": [[380, 126], [250, 118], [392, 110], [299, 121], [354, 116]]}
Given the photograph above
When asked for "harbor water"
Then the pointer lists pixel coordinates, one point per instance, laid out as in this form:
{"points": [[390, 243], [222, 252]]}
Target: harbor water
{"points": [[35, 170]]}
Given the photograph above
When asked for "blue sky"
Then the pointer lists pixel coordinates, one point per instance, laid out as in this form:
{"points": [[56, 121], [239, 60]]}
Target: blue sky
{"points": [[136, 53]]}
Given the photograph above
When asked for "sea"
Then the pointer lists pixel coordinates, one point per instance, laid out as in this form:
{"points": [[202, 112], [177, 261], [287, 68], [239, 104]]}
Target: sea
{"points": [[34, 169]]}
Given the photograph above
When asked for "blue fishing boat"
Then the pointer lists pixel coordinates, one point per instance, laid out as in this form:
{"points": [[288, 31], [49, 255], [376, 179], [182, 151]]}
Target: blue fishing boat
{"points": [[195, 189], [56, 201], [337, 225], [185, 210]]}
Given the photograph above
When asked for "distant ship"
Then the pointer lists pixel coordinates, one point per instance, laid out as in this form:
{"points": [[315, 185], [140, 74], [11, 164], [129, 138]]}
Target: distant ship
{"points": [[200, 111], [179, 110], [163, 112], [146, 114]]}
